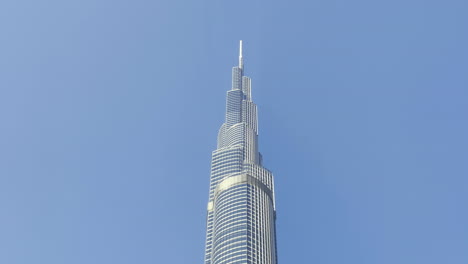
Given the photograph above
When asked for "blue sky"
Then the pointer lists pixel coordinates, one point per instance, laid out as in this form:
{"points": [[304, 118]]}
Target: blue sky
{"points": [[109, 111]]}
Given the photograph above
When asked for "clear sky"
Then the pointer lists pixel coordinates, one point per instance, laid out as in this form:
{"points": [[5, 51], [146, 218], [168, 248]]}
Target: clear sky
{"points": [[109, 111]]}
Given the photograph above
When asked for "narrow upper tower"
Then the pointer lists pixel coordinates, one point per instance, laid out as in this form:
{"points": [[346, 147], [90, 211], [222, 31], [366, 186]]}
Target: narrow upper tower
{"points": [[241, 213]]}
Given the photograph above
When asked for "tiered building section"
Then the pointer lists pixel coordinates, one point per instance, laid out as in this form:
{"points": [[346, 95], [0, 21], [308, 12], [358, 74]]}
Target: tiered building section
{"points": [[241, 208]]}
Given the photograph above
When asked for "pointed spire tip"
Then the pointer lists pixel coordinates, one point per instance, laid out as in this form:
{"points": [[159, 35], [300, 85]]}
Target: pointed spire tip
{"points": [[241, 62], [240, 48]]}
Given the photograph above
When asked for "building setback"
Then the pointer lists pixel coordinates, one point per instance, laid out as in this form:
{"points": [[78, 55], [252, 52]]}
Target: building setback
{"points": [[241, 208]]}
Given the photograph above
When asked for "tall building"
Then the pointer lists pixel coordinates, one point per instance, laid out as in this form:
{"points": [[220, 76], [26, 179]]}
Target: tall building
{"points": [[241, 208]]}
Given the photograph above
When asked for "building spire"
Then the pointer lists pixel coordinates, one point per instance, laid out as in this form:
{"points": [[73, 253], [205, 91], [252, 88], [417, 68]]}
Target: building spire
{"points": [[241, 61]]}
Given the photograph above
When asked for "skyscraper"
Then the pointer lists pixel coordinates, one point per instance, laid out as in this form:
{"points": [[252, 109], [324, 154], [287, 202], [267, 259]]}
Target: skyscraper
{"points": [[241, 208]]}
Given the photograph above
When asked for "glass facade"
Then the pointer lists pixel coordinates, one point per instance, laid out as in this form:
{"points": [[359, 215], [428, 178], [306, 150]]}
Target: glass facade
{"points": [[241, 208]]}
